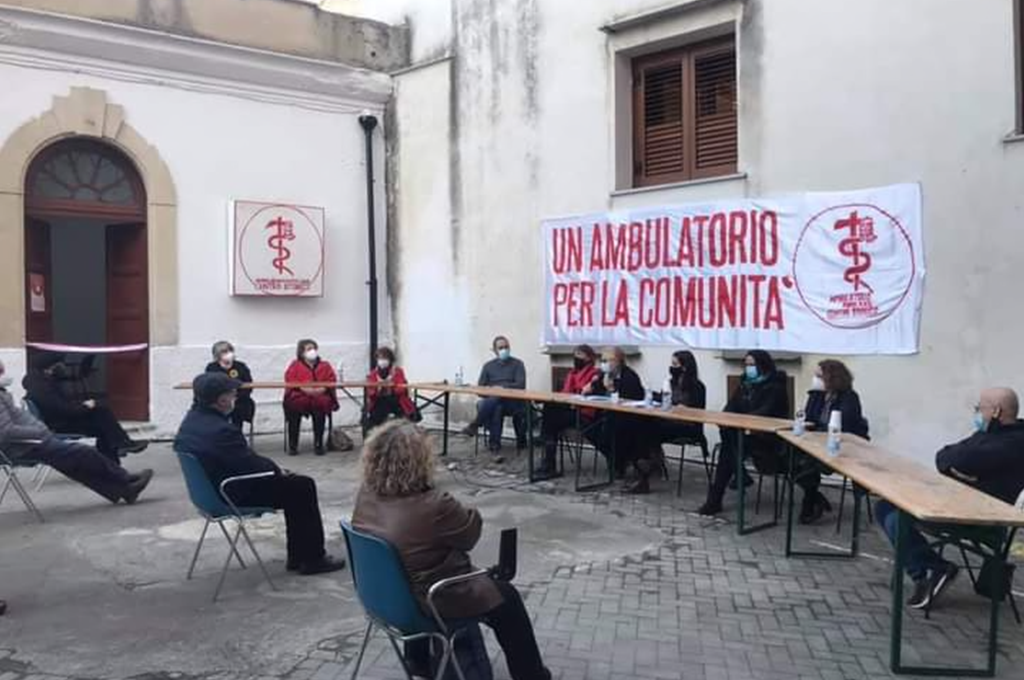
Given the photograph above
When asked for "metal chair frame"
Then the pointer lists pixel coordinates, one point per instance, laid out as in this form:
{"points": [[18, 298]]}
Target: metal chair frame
{"points": [[238, 515], [9, 467]]}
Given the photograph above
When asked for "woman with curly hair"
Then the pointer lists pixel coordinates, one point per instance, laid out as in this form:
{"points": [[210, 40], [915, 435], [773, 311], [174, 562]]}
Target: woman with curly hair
{"points": [[433, 534]]}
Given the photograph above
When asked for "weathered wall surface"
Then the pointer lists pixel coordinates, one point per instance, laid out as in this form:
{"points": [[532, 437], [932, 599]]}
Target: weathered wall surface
{"points": [[833, 96], [276, 25]]}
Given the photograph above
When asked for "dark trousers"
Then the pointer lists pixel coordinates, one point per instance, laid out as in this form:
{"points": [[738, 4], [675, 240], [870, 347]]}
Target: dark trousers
{"points": [[100, 423], [491, 412], [296, 495], [245, 411], [767, 457], [385, 406], [83, 464], [294, 421], [920, 557], [511, 625]]}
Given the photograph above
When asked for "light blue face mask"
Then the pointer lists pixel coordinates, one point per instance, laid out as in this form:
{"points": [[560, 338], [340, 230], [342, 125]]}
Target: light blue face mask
{"points": [[504, 353], [979, 422], [751, 372]]}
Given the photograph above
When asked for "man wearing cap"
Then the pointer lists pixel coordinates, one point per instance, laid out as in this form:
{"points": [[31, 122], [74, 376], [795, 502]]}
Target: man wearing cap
{"points": [[208, 434], [24, 438]]}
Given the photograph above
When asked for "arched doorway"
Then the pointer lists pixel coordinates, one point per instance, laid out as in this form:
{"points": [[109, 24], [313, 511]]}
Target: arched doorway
{"points": [[86, 262]]}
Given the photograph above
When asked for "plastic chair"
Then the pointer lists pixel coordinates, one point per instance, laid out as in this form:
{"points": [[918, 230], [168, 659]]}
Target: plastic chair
{"points": [[328, 427], [701, 442], [387, 598], [9, 466], [216, 506]]}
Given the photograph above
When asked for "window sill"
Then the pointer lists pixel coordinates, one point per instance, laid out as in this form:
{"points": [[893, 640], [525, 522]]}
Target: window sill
{"points": [[737, 177], [1013, 138]]}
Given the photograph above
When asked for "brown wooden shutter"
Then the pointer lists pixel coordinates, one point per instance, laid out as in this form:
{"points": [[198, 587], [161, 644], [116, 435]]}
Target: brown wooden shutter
{"points": [[715, 123], [659, 87], [684, 114]]}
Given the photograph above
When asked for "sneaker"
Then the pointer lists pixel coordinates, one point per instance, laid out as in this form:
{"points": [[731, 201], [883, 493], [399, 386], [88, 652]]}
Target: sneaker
{"points": [[324, 565], [921, 595], [135, 486], [941, 578]]}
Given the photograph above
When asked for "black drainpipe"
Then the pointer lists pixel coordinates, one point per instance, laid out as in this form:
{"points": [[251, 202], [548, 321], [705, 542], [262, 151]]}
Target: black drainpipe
{"points": [[368, 123]]}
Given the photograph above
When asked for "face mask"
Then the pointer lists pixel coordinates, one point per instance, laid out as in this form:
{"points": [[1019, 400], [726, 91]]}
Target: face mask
{"points": [[606, 367], [979, 422], [817, 384], [6, 381], [675, 371], [504, 353], [383, 364], [227, 357], [310, 355], [579, 362], [750, 372]]}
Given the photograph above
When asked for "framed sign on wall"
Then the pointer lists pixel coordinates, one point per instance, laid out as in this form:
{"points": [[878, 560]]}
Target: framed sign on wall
{"points": [[277, 249]]}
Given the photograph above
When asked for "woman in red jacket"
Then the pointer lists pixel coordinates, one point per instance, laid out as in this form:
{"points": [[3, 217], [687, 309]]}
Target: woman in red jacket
{"points": [[557, 418], [315, 402], [391, 398]]}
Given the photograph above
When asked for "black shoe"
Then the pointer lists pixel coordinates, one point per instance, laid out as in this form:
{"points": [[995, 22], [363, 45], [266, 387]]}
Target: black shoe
{"points": [[747, 481], [710, 508], [319, 451], [132, 447], [941, 578], [521, 445], [814, 506], [639, 487], [324, 565], [3, 607], [136, 485], [921, 595], [291, 564], [469, 430], [293, 452]]}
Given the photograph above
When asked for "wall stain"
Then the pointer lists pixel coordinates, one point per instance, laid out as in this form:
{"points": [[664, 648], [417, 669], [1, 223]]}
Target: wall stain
{"points": [[393, 245], [454, 152]]}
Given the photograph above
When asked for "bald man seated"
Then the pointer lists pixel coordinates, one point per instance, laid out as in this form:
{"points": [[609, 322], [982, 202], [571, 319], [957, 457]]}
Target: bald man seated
{"points": [[991, 460]]}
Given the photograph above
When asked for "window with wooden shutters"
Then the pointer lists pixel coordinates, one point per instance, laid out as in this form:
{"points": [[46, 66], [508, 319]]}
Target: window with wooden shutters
{"points": [[684, 114]]}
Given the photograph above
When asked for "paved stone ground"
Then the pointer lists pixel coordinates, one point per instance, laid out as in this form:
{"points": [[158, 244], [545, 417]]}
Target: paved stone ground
{"points": [[696, 602]]}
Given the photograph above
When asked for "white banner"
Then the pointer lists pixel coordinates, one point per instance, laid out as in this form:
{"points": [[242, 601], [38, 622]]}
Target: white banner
{"points": [[829, 273]]}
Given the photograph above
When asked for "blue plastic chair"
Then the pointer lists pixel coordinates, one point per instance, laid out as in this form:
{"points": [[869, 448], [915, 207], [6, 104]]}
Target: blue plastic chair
{"points": [[387, 598], [216, 506]]}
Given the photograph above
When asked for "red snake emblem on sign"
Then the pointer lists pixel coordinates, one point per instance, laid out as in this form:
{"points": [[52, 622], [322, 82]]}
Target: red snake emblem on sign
{"points": [[834, 265], [284, 230], [279, 249]]}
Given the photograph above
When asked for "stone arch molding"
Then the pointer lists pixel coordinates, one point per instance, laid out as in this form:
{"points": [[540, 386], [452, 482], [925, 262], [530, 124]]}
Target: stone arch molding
{"points": [[86, 112]]}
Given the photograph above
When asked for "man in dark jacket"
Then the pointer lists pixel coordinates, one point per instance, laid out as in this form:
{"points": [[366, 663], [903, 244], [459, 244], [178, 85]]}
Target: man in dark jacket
{"points": [[762, 392], [507, 372], [67, 416], [991, 460], [24, 438], [209, 435]]}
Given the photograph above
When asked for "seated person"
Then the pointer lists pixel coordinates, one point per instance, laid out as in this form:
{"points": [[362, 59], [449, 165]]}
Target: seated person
{"points": [[990, 460], [23, 438], [831, 390], [42, 385], [433, 534], [221, 448], [683, 388], [507, 372], [315, 402], [557, 418], [224, 362], [390, 397], [627, 436], [761, 392]]}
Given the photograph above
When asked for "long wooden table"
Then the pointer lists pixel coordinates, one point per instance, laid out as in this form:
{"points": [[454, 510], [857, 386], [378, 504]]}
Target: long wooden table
{"points": [[918, 493], [738, 421]]}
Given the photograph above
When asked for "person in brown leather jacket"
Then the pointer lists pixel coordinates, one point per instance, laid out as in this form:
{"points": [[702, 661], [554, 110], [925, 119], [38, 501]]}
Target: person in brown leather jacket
{"points": [[433, 534]]}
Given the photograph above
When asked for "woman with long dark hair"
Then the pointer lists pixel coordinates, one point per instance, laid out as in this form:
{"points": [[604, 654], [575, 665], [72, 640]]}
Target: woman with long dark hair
{"points": [[684, 388]]}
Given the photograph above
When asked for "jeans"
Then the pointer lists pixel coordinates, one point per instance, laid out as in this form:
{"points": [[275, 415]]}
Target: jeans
{"points": [[511, 625], [296, 495], [491, 412], [920, 557], [83, 464]]}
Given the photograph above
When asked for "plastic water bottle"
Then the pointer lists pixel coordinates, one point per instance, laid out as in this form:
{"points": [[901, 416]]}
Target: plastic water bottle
{"points": [[648, 397], [614, 396], [835, 432], [666, 395], [341, 372], [800, 423], [459, 380]]}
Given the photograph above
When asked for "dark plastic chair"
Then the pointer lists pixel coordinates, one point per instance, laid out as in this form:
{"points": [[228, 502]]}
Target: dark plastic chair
{"points": [[216, 506], [387, 598]]}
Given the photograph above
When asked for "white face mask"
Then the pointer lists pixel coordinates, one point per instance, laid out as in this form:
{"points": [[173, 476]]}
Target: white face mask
{"points": [[606, 367], [6, 381], [383, 364], [817, 384], [227, 357], [310, 355]]}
